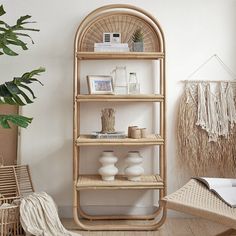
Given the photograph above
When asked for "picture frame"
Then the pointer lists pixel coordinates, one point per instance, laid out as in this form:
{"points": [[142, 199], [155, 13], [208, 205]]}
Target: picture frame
{"points": [[100, 84]]}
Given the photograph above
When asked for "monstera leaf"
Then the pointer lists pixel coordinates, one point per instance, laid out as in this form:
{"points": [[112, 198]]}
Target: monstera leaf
{"points": [[16, 92], [12, 35], [18, 120]]}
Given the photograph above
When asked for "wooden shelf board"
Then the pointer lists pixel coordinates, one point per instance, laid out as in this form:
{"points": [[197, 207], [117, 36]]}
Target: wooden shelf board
{"points": [[119, 55], [87, 140], [120, 182], [120, 98]]}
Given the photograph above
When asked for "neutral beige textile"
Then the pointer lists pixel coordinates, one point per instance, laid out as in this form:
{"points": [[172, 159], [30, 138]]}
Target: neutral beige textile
{"points": [[206, 130], [195, 198], [39, 216]]}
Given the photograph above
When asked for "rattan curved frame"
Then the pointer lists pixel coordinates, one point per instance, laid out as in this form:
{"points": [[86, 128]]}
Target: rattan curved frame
{"points": [[91, 27], [127, 23]]}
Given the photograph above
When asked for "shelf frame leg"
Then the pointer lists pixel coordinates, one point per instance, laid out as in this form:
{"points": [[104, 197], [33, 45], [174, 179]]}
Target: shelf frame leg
{"points": [[153, 225]]}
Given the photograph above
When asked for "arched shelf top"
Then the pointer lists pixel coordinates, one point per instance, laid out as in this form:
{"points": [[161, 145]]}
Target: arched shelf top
{"points": [[121, 18]]}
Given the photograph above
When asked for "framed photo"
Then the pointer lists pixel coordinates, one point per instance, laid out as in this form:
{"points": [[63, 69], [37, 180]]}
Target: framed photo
{"points": [[100, 84]]}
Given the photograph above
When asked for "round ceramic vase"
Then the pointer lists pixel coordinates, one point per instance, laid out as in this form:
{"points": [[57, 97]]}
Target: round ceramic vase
{"points": [[108, 169], [134, 170]]}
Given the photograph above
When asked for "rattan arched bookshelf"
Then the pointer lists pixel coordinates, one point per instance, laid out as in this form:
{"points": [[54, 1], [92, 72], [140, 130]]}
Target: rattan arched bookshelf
{"points": [[125, 19]]}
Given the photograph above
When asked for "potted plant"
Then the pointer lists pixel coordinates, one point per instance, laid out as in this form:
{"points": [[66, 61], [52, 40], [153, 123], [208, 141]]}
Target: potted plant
{"points": [[137, 39], [17, 91]]}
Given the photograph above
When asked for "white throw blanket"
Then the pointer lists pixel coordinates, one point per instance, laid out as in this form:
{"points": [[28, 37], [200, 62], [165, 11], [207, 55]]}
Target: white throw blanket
{"points": [[39, 216]]}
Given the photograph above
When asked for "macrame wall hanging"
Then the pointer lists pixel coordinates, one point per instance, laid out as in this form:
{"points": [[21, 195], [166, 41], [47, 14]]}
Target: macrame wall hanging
{"points": [[206, 125]]}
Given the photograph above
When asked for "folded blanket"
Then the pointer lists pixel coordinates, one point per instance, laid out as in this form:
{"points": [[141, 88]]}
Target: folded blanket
{"points": [[39, 216]]}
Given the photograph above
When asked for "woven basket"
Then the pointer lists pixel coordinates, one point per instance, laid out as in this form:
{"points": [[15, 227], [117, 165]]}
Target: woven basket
{"points": [[10, 217], [15, 181]]}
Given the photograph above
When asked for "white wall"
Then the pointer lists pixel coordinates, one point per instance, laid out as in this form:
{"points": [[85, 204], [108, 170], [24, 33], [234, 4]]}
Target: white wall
{"points": [[194, 30]]}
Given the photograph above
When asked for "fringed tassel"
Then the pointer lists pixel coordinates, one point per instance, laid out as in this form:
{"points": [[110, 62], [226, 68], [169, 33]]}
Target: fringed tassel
{"points": [[194, 149], [212, 124], [231, 106], [202, 111], [222, 113]]}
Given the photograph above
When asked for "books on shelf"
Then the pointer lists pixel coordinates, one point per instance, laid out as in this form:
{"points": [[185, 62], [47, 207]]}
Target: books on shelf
{"points": [[115, 135], [224, 188], [111, 47]]}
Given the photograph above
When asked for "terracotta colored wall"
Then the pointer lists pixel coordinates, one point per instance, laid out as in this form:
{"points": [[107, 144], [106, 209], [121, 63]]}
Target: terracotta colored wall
{"points": [[8, 138]]}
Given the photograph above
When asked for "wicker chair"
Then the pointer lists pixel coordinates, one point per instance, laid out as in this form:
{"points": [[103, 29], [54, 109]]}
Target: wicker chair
{"points": [[15, 182], [194, 198]]}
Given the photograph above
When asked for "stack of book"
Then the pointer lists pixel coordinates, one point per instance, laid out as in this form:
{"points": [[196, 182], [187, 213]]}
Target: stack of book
{"points": [[115, 135], [111, 47]]}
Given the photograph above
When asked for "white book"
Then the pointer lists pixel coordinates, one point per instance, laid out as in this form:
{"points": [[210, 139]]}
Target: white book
{"points": [[111, 47], [224, 188], [117, 45]]}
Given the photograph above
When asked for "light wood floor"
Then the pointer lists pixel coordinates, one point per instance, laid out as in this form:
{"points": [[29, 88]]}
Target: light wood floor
{"points": [[172, 227]]}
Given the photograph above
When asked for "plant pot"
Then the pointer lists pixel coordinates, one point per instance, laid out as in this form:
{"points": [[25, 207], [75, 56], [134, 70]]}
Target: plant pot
{"points": [[138, 46]]}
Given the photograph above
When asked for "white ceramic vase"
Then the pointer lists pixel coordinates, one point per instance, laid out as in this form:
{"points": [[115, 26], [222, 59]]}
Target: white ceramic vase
{"points": [[108, 169], [134, 170]]}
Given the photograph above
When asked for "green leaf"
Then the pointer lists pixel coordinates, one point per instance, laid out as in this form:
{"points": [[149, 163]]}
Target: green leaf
{"points": [[2, 11], [18, 120], [12, 36], [22, 19], [28, 101], [5, 24], [13, 92], [12, 88], [17, 42], [4, 91], [4, 123], [28, 29], [18, 100], [3, 29], [27, 77], [27, 88], [9, 100], [8, 51], [25, 35]]}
